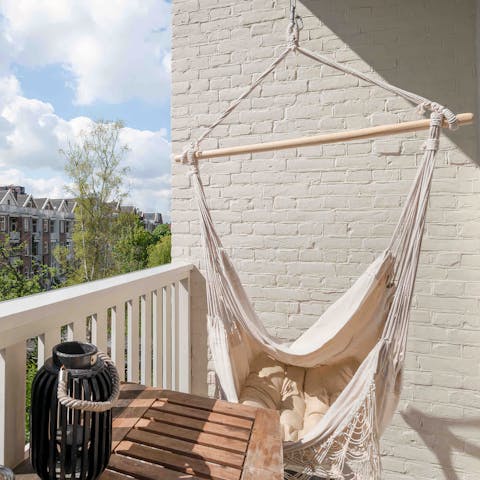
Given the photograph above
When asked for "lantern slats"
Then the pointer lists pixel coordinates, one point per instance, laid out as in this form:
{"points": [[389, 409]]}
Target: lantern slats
{"points": [[70, 444]]}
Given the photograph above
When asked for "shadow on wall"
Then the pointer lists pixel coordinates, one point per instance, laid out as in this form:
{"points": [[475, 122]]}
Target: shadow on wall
{"points": [[425, 46], [437, 434]]}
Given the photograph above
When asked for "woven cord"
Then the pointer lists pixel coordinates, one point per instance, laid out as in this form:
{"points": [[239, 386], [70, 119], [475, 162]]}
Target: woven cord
{"points": [[293, 32], [77, 404], [406, 244]]}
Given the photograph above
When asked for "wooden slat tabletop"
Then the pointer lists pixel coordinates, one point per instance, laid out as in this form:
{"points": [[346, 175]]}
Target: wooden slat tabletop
{"points": [[160, 434]]}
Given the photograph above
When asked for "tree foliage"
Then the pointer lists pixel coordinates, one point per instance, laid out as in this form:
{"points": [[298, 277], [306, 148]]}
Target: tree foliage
{"points": [[160, 252], [137, 248], [132, 242], [107, 241], [13, 282], [94, 165], [161, 230]]}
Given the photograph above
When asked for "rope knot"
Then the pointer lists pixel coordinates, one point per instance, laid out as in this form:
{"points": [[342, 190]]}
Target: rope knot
{"points": [[422, 108], [189, 154], [293, 35], [449, 116], [446, 113], [294, 27]]}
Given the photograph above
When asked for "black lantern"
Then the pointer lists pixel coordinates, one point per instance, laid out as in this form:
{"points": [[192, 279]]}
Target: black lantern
{"points": [[71, 419]]}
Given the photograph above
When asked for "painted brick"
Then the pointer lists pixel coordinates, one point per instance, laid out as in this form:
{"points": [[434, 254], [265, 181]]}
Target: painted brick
{"points": [[301, 225]]}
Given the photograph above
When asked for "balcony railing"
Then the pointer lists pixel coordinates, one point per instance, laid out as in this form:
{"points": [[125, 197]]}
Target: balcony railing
{"points": [[14, 237], [142, 319]]}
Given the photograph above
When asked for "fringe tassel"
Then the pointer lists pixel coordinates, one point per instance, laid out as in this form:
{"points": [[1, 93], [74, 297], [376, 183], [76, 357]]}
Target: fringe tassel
{"points": [[351, 452]]}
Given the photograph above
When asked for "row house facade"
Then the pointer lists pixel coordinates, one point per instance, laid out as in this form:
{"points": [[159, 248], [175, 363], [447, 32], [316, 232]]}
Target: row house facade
{"points": [[38, 224], [41, 224]]}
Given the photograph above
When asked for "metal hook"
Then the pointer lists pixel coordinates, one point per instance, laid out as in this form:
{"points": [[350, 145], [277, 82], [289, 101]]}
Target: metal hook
{"points": [[299, 21]]}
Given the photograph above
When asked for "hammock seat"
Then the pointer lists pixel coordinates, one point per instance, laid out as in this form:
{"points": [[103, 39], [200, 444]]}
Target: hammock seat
{"points": [[338, 385]]}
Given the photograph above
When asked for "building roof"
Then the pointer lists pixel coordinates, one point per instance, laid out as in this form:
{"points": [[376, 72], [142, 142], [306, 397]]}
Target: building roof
{"points": [[56, 202], [128, 209], [8, 198], [15, 195], [154, 217], [44, 203], [28, 201]]}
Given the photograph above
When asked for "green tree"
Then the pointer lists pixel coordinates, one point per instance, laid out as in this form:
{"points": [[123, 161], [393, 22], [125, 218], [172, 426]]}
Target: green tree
{"points": [[66, 264], [160, 252], [94, 166], [161, 230], [133, 240], [13, 282]]}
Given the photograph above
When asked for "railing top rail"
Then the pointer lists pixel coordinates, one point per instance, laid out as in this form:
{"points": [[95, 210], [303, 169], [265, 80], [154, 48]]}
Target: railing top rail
{"points": [[22, 311]]}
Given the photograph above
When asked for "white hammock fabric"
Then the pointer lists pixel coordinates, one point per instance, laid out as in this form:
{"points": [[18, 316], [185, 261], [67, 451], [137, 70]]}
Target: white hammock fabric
{"points": [[369, 322]]}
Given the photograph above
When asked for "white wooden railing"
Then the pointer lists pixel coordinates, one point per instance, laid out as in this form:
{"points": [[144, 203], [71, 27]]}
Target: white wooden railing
{"points": [[142, 319]]}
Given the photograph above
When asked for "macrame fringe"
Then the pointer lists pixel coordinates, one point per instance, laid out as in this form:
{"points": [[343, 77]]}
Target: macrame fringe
{"points": [[350, 453]]}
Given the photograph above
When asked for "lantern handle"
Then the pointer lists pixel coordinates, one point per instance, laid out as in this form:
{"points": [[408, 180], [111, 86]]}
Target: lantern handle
{"points": [[77, 404]]}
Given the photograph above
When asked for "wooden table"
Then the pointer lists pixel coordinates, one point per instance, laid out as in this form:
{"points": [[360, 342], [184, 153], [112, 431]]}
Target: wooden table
{"points": [[160, 434]]}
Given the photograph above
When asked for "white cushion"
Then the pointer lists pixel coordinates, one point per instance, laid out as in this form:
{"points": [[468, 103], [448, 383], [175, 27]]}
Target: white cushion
{"points": [[302, 396], [263, 385]]}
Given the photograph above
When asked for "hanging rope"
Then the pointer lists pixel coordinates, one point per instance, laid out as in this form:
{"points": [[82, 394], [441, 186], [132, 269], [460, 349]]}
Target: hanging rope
{"points": [[294, 27]]}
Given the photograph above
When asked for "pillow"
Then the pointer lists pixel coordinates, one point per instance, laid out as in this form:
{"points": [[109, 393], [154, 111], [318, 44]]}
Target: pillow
{"points": [[292, 406], [263, 385], [316, 402], [323, 385]]}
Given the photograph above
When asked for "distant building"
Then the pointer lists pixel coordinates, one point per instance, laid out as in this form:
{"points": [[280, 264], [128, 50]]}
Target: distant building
{"points": [[151, 220], [41, 224]]}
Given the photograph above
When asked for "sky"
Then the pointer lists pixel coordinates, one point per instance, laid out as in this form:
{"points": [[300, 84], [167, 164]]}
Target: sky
{"points": [[65, 64]]}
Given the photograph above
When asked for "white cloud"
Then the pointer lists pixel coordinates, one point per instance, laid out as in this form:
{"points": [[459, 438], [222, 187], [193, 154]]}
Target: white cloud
{"points": [[116, 50], [146, 148], [149, 176], [34, 134], [9, 89], [52, 186], [31, 135]]}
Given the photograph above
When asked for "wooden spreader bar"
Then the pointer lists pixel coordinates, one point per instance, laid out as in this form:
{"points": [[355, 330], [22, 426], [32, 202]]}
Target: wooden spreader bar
{"points": [[344, 136]]}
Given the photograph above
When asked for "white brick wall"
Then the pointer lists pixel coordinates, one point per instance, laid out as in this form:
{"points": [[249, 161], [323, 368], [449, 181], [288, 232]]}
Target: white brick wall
{"points": [[301, 225]]}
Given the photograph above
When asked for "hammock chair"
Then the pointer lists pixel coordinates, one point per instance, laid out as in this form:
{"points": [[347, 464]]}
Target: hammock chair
{"points": [[356, 348]]}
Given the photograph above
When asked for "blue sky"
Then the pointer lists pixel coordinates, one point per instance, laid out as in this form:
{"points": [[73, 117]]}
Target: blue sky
{"points": [[51, 84], [66, 64]]}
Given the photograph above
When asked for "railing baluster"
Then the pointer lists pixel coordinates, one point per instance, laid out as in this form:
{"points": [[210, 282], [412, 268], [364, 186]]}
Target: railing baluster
{"points": [[158, 318], [80, 330], [12, 404], [45, 344], [146, 338], [167, 337], [184, 345], [133, 340], [175, 336], [118, 338], [70, 332], [99, 330]]}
